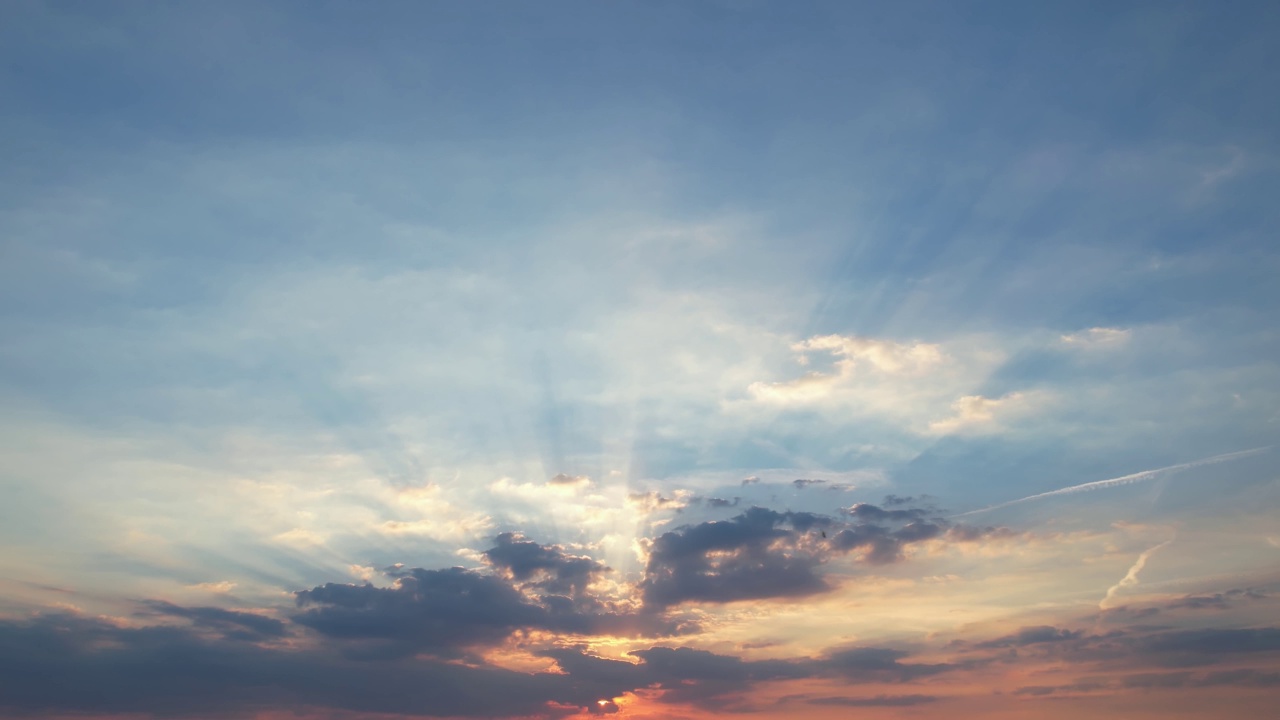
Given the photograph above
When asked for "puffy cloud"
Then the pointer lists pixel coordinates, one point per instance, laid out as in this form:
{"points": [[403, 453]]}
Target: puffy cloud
{"points": [[854, 357], [653, 501], [431, 611], [751, 556], [61, 664], [445, 612], [559, 573], [762, 554], [976, 413]]}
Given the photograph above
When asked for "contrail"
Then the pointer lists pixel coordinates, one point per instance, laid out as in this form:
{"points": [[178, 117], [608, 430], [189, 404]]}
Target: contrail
{"points": [[1131, 577], [1125, 479]]}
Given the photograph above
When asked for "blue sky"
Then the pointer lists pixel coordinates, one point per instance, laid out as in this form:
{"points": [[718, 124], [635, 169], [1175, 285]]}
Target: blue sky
{"points": [[293, 292]]}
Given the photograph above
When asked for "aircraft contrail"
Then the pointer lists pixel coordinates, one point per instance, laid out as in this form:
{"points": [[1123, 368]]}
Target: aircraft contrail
{"points": [[1124, 479], [1130, 578]]}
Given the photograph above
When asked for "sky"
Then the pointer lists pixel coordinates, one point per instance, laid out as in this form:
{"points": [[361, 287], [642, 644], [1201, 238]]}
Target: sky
{"points": [[661, 359]]}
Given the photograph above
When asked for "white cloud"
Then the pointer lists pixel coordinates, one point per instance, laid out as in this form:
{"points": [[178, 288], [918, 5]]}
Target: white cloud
{"points": [[301, 536], [905, 385], [855, 358], [220, 588], [1097, 338], [975, 413]]}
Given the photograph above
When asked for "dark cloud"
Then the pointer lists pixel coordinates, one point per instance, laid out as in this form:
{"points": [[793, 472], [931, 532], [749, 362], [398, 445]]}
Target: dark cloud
{"points": [[976, 533], [563, 479], [445, 612], [683, 675], [1032, 636], [69, 664], [763, 553], [877, 701], [715, 502], [555, 571], [862, 664], [231, 624], [1203, 646], [754, 555], [1136, 646], [434, 611], [1241, 677], [883, 545], [896, 501], [1075, 687], [712, 681], [1224, 600], [869, 512], [1217, 601], [878, 542], [803, 483], [1128, 612]]}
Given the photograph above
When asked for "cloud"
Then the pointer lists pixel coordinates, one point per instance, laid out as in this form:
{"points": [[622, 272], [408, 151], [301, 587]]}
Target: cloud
{"points": [[1242, 677], [60, 664], [653, 501], [1031, 636], [1044, 690], [1239, 677], [1217, 601], [686, 675], [1097, 338], [425, 611], [1131, 577], [1135, 647], [449, 611], [763, 554], [854, 358], [563, 479], [231, 624], [871, 664], [877, 701], [976, 414], [557, 572], [220, 587], [1201, 646], [718, 682], [751, 556], [715, 502]]}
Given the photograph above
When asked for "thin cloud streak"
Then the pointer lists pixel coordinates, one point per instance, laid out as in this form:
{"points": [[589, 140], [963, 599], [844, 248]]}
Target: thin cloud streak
{"points": [[1125, 479], [1131, 578]]}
